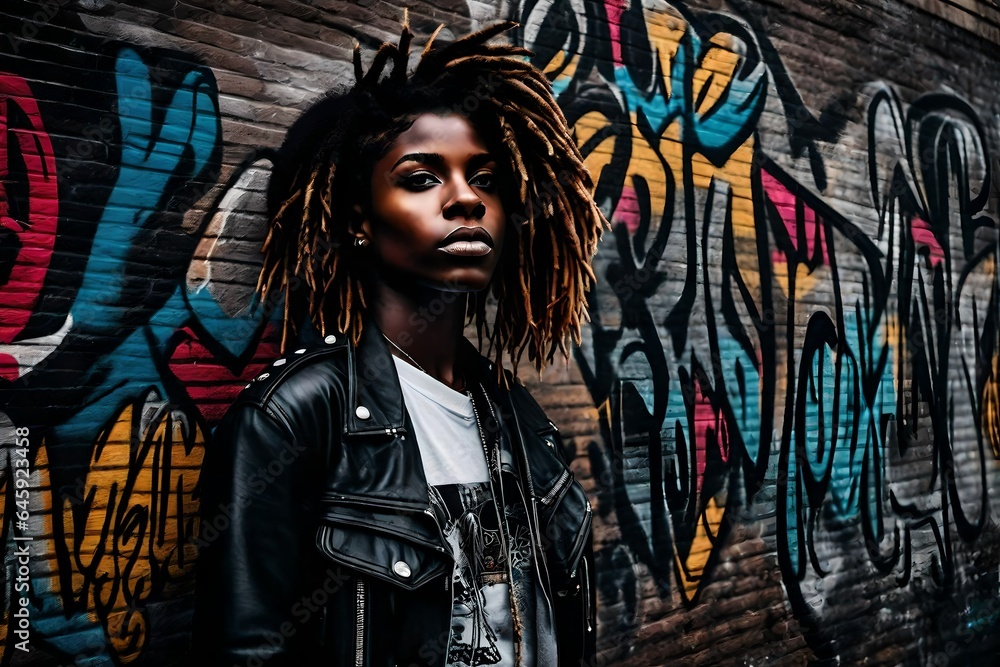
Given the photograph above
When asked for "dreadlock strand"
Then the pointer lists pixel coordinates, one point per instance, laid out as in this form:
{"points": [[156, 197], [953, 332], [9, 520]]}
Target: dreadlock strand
{"points": [[375, 70], [543, 100], [266, 270], [539, 128], [286, 321], [268, 283], [345, 309], [326, 196], [498, 57], [575, 243], [358, 72], [468, 44], [294, 197], [515, 153], [541, 136], [402, 50], [428, 47]]}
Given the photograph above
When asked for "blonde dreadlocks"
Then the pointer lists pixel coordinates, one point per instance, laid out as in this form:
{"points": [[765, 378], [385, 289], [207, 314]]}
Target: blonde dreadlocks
{"points": [[541, 283]]}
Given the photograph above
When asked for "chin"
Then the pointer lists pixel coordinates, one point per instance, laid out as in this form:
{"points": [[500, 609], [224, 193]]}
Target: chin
{"points": [[457, 285], [460, 281]]}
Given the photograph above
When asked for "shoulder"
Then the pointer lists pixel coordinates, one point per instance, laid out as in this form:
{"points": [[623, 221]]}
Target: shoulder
{"points": [[528, 410], [509, 387], [536, 427], [299, 380]]}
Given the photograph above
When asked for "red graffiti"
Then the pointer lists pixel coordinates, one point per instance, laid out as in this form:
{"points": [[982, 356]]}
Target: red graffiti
{"points": [[211, 385], [29, 208]]}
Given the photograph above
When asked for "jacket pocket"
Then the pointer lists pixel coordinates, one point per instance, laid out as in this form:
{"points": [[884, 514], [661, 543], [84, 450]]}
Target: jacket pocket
{"points": [[384, 550]]}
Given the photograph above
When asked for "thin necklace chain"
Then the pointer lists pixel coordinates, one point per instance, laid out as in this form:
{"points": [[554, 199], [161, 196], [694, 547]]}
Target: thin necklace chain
{"points": [[403, 352], [479, 423], [468, 392]]}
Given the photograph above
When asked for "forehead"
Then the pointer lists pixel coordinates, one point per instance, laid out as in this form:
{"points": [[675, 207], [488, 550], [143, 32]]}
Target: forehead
{"points": [[443, 134]]}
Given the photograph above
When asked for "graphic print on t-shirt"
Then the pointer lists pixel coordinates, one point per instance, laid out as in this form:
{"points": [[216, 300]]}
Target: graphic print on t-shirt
{"points": [[496, 621], [482, 628]]}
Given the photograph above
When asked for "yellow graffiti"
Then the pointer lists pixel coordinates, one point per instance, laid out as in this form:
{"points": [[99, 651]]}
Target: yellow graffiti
{"points": [[991, 407], [717, 70], [691, 567], [129, 536], [665, 30]]}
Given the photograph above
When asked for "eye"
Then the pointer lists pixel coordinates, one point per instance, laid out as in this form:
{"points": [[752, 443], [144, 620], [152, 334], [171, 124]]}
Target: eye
{"points": [[419, 180], [484, 180]]}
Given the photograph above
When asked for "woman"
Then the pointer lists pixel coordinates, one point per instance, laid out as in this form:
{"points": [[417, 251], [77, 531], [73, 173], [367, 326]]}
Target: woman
{"points": [[389, 496]]}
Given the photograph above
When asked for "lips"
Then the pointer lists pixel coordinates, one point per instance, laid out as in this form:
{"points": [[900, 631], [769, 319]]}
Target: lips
{"points": [[467, 242]]}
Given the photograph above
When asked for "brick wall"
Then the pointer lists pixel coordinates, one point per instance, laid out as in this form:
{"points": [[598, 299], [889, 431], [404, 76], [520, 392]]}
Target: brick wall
{"points": [[786, 407]]}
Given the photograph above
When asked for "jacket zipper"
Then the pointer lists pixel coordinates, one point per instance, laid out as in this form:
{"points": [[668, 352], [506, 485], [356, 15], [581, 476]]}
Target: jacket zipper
{"points": [[499, 502], [580, 541], [560, 484], [585, 589], [538, 546], [359, 637]]}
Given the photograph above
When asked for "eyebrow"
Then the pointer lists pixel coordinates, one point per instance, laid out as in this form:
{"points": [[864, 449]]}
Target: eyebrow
{"points": [[437, 160]]}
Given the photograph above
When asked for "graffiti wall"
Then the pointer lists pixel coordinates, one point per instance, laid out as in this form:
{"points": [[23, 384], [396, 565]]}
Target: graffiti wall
{"points": [[795, 336], [786, 406]]}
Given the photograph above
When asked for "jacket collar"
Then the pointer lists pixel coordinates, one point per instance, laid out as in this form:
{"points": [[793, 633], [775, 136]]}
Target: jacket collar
{"points": [[375, 399]]}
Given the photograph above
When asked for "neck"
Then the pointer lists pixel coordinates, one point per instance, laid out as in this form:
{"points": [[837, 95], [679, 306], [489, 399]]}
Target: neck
{"points": [[426, 324]]}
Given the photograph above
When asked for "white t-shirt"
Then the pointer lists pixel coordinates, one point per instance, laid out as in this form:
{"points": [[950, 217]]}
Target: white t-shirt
{"points": [[451, 450], [446, 429]]}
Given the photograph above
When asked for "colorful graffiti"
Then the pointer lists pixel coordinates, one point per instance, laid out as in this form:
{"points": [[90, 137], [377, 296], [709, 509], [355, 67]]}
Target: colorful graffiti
{"points": [[755, 350], [118, 369], [764, 350]]}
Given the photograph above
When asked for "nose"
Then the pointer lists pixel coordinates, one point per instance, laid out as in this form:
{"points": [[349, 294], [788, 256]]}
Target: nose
{"points": [[465, 204]]}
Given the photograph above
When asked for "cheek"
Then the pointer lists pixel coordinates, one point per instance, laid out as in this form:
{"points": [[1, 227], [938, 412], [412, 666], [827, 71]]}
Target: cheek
{"points": [[397, 223], [407, 215]]}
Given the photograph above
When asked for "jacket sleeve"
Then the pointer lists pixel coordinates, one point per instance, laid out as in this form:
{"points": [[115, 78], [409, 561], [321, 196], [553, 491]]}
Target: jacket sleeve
{"points": [[257, 531]]}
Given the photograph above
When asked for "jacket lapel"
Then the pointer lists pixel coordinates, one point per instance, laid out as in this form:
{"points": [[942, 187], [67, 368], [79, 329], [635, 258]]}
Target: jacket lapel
{"points": [[375, 401]]}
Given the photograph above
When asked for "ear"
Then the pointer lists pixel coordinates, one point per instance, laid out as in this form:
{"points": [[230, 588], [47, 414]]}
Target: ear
{"points": [[359, 226]]}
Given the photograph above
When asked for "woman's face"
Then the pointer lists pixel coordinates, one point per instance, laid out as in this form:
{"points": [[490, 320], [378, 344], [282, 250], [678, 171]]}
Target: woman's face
{"points": [[435, 214]]}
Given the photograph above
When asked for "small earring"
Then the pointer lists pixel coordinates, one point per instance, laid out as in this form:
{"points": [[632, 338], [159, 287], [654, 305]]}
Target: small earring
{"points": [[360, 242]]}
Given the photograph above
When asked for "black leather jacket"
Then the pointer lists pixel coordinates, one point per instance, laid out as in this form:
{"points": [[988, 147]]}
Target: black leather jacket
{"points": [[317, 545]]}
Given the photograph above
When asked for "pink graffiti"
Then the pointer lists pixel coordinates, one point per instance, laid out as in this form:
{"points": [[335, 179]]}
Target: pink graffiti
{"points": [[210, 384], [615, 9], [37, 215], [923, 236], [804, 227], [710, 430], [627, 210]]}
